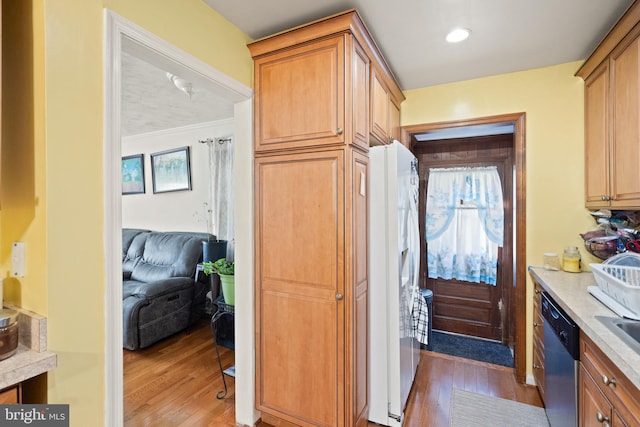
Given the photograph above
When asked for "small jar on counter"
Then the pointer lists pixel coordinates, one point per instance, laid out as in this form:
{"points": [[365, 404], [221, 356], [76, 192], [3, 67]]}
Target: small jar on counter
{"points": [[551, 261], [8, 333], [571, 260]]}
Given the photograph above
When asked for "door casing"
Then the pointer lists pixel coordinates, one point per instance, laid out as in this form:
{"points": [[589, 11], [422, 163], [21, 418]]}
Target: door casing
{"points": [[519, 246]]}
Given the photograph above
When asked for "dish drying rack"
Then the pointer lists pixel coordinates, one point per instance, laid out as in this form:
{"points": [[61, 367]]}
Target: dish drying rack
{"points": [[620, 283]]}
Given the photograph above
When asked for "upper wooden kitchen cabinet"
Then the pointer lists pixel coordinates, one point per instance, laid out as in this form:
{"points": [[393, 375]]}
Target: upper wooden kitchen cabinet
{"points": [[316, 76], [306, 86], [386, 98], [596, 138], [312, 134], [612, 117]]}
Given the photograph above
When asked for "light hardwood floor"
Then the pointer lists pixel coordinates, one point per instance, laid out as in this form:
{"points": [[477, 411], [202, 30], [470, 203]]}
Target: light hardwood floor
{"points": [[174, 383]]}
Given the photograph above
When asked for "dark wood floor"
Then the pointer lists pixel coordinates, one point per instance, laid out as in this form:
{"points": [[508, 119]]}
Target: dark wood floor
{"points": [[174, 383]]}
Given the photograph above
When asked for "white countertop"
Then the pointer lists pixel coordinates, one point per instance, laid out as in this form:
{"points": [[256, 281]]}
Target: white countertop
{"points": [[31, 358], [569, 290], [25, 364]]}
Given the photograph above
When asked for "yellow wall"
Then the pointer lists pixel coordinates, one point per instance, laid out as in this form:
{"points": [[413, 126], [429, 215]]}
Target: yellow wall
{"points": [[52, 172], [22, 193], [552, 99], [194, 27]]}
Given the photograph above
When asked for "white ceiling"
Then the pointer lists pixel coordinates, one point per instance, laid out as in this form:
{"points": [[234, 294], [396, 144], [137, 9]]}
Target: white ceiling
{"points": [[150, 102], [506, 36]]}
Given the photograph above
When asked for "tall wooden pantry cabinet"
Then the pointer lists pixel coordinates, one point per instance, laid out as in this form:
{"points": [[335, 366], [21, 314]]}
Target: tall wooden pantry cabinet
{"points": [[312, 132]]}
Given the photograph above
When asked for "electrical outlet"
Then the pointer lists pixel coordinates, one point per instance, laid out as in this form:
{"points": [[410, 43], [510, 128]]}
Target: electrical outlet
{"points": [[17, 259]]}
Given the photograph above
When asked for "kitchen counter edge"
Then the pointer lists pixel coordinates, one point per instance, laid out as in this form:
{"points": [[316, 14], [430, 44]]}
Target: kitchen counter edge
{"points": [[32, 357], [569, 290]]}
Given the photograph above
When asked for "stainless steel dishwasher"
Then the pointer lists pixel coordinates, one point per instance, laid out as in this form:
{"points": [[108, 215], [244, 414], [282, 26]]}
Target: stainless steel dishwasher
{"points": [[561, 359]]}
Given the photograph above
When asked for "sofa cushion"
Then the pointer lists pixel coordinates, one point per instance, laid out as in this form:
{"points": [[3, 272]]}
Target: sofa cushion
{"points": [[134, 254], [167, 255], [128, 234]]}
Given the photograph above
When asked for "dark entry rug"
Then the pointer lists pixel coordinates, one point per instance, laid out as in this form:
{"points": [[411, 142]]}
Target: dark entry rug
{"points": [[472, 348]]}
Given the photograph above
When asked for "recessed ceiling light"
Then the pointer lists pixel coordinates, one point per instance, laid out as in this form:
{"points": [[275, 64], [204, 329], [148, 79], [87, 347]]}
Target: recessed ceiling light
{"points": [[458, 35]]}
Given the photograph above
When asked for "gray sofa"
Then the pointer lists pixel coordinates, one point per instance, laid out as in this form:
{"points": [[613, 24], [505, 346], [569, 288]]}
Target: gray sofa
{"points": [[160, 294]]}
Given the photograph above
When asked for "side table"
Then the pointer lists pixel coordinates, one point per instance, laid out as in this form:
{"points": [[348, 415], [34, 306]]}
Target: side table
{"points": [[220, 310], [207, 281]]}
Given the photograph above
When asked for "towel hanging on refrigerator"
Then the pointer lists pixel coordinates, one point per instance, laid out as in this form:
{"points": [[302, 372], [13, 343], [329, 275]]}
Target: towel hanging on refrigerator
{"points": [[464, 223], [420, 318]]}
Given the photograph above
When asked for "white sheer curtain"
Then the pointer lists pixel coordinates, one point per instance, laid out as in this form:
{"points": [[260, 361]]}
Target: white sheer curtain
{"points": [[464, 223], [221, 186]]}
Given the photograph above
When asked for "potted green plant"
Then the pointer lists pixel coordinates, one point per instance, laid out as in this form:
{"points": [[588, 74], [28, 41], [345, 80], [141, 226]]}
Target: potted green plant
{"points": [[225, 269]]}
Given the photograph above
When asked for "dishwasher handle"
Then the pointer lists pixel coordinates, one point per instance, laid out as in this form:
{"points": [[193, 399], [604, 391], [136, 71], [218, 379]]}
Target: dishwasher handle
{"points": [[564, 338]]}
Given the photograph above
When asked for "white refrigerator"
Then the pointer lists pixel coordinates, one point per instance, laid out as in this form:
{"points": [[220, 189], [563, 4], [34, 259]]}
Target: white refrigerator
{"points": [[394, 248]]}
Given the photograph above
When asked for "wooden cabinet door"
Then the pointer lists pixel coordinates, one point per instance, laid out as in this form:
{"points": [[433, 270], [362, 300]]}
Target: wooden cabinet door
{"points": [[301, 101], [300, 343], [357, 288], [594, 408], [538, 340], [625, 87], [597, 137], [379, 108], [394, 121], [620, 421], [10, 395], [359, 96]]}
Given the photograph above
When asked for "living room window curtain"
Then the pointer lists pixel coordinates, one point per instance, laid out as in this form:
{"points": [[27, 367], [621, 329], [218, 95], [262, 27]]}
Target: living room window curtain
{"points": [[464, 223], [221, 164]]}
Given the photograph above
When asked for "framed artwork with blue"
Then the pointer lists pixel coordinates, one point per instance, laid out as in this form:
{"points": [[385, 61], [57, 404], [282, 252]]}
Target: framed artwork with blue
{"points": [[170, 170], [133, 174]]}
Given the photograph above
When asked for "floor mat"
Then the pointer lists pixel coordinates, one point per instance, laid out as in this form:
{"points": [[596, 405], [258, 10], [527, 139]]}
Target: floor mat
{"points": [[470, 409], [472, 348]]}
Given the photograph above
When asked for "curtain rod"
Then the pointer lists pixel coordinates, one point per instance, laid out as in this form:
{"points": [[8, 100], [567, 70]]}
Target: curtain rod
{"points": [[218, 140]]}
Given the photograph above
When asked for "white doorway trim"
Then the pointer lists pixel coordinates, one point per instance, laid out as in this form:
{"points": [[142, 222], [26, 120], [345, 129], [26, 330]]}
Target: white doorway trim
{"points": [[118, 29]]}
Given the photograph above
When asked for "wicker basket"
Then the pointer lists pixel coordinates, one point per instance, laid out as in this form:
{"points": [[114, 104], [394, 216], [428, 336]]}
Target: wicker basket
{"points": [[622, 283]]}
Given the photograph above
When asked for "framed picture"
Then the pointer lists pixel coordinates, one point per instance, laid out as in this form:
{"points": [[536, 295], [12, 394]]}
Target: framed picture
{"points": [[133, 174], [170, 170]]}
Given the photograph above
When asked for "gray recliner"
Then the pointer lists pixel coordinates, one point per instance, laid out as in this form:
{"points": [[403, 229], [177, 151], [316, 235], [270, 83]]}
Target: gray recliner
{"points": [[160, 295]]}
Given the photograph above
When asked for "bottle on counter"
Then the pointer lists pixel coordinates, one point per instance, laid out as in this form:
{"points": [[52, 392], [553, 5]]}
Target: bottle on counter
{"points": [[571, 259], [551, 261]]}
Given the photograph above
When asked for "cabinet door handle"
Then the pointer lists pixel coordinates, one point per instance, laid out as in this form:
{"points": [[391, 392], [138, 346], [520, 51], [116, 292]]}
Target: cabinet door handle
{"points": [[537, 367], [536, 324], [608, 381], [339, 131], [339, 297], [537, 291], [602, 419]]}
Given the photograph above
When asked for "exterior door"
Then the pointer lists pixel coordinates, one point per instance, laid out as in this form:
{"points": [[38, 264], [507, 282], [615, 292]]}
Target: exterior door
{"points": [[474, 309]]}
